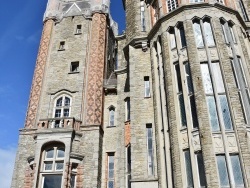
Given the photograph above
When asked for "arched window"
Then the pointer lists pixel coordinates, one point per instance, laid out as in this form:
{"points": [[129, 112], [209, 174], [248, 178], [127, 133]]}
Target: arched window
{"points": [[52, 166], [111, 116], [62, 107]]}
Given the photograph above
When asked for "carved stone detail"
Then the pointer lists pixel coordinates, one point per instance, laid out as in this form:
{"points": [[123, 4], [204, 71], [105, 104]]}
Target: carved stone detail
{"points": [[218, 144], [184, 140], [232, 144], [96, 70], [213, 54], [196, 142], [38, 74]]}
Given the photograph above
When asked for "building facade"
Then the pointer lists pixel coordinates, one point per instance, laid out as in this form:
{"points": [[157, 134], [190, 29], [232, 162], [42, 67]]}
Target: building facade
{"points": [[165, 104]]}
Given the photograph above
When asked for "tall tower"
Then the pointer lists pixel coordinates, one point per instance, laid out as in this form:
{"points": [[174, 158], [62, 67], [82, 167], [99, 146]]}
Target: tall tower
{"points": [[166, 104], [67, 93]]}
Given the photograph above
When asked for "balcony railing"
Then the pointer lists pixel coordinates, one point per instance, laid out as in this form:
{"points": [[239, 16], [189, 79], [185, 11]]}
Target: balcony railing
{"points": [[59, 123]]}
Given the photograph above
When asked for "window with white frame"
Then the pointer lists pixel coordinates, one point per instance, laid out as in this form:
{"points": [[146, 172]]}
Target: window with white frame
{"points": [[230, 172], [150, 149], [143, 22], [172, 4], [62, 107], [110, 170], [52, 166], [146, 86], [111, 116], [127, 109], [216, 96]]}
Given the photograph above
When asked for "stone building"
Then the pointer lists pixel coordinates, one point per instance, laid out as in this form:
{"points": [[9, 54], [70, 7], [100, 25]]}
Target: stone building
{"points": [[166, 104]]}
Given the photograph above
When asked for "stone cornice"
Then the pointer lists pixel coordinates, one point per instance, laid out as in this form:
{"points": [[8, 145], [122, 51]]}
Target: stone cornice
{"points": [[182, 8]]}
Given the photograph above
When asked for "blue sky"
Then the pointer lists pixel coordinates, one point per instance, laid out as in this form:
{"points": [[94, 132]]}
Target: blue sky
{"points": [[21, 27]]}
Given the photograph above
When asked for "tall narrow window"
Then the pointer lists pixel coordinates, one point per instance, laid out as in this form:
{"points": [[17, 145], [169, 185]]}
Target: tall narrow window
{"points": [[111, 116], [207, 84], [150, 149], [208, 33], [127, 109], [189, 174], [172, 4], [143, 23], [201, 170], [243, 88], [172, 38], [190, 90], [182, 36], [73, 175], [198, 34], [223, 25], [111, 165], [52, 166], [243, 11], [222, 168], [129, 166], [146, 86], [236, 178], [231, 31], [180, 95]]}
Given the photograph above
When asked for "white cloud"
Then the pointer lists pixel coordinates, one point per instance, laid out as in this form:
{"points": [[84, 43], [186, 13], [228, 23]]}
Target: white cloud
{"points": [[7, 159]]}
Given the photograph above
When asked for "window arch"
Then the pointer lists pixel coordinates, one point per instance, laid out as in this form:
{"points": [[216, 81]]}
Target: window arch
{"points": [[52, 166], [62, 106]]}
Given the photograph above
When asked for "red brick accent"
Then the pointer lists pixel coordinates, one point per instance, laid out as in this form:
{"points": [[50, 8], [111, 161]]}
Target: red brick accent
{"points": [[164, 7], [29, 177], [38, 74], [127, 133], [94, 106], [79, 176]]}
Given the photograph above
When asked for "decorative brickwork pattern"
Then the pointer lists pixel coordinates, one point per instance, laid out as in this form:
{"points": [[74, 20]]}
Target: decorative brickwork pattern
{"points": [[38, 75], [79, 177], [29, 177], [96, 71]]}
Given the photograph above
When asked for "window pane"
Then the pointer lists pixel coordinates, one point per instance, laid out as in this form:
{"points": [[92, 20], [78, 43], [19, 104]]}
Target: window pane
{"points": [[59, 166], [150, 148], [67, 101], [110, 184], [206, 79], [208, 34], [225, 112], [59, 102], [218, 78], [193, 111], [224, 31], [50, 153], [198, 35], [182, 36], [111, 117], [189, 174], [232, 33], [60, 153], [222, 168], [48, 165], [52, 181], [182, 111], [189, 79], [72, 181], [238, 179], [201, 169], [178, 78], [58, 113], [66, 112], [147, 88], [212, 113]]}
